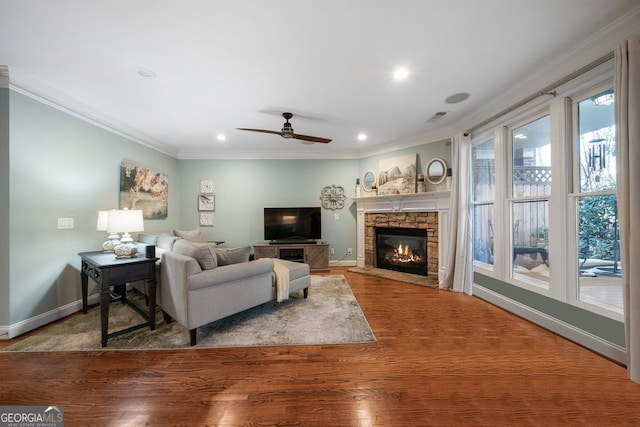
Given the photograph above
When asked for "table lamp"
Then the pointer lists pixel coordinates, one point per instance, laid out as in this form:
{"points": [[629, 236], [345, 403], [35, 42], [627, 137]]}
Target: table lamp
{"points": [[113, 239], [125, 221]]}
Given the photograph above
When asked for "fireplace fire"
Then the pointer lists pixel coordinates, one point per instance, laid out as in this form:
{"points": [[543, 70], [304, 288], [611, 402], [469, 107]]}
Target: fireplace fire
{"points": [[402, 249]]}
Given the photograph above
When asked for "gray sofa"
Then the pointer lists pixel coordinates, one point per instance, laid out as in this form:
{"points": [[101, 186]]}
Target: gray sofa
{"points": [[200, 283]]}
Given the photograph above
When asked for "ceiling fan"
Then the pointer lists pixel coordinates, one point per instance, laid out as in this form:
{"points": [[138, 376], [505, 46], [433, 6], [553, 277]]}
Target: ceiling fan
{"points": [[287, 132]]}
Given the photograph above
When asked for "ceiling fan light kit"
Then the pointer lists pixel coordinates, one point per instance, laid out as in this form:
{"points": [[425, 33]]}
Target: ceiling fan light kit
{"points": [[288, 133]]}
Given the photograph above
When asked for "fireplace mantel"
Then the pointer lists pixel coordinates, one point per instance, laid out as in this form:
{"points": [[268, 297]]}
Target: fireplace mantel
{"points": [[434, 201]]}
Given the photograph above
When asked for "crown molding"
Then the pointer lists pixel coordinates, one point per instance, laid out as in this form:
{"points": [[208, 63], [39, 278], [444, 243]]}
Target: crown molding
{"points": [[34, 89], [598, 44], [4, 77]]}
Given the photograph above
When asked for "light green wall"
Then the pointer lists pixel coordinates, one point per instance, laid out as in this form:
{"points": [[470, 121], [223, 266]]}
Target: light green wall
{"points": [[4, 207], [61, 166], [244, 187]]}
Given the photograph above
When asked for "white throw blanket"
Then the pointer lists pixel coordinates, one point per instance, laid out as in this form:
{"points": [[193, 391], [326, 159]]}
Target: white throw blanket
{"points": [[282, 280]]}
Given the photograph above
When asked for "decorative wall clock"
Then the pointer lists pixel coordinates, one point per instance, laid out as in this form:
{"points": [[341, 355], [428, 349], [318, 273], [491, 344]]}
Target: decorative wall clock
{"points": [[332, 197]]}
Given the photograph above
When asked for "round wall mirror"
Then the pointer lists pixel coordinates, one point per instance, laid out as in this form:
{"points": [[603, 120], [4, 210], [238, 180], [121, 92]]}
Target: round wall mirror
{"points": [[436, 171], [368, 179]]}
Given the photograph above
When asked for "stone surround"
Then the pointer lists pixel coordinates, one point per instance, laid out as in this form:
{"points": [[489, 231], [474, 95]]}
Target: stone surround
{"points": [[420, 220]]}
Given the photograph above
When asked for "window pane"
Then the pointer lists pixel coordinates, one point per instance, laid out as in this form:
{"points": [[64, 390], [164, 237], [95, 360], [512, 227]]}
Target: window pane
{"points": [[531, 241], [483, 234], [597, 145], [600, 278], [532, 158], [484, 172]]}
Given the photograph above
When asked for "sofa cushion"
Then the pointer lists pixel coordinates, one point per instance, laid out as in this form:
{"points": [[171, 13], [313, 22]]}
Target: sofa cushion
{"points": [[202, 252], [166, 241], [228, 256], [191, 235], [296, 269]]}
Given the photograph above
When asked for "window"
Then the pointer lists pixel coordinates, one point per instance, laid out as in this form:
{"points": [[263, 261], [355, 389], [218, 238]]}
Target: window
{"points": [[483, 195], [531, 190], [598, 243], [544, 198]]}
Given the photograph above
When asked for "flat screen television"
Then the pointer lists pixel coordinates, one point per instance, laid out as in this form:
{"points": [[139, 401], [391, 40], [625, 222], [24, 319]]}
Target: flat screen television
{"points": [[292, 225]]}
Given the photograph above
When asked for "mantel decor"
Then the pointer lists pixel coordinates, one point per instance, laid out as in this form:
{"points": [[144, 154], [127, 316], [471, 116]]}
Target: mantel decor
{"points": [[332, 197]]}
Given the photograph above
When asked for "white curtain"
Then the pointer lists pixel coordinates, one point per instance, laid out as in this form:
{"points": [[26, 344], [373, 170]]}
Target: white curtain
{"points": [[459, 266], [627, 113]]}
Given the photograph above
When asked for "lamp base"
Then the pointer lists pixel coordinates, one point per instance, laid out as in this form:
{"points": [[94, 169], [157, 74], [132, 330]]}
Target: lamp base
{"points": [[109, 245], [126, 250]]}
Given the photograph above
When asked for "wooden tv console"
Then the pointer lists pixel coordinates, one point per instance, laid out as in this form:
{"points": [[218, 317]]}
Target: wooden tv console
{"points": [[314, 254]]}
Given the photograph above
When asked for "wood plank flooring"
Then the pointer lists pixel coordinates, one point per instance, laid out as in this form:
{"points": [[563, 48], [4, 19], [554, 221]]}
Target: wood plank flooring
{"points": [[442, 359]]}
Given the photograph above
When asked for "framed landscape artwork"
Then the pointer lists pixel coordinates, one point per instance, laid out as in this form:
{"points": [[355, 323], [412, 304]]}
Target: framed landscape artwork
{"points": [[397, 175], [143, 189]]}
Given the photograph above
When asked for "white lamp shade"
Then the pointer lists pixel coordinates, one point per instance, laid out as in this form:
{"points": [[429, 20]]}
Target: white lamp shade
{"points": [[125, 221], [103, 220]]}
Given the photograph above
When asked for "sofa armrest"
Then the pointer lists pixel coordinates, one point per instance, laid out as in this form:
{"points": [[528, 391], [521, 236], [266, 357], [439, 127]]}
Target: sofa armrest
{"points": [[174, 270]]}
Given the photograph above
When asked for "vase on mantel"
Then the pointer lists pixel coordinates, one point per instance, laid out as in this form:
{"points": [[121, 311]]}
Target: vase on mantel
{"points": [[422, 186]]}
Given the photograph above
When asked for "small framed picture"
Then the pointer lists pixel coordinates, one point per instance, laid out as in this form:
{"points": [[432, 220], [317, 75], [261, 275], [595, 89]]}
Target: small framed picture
{"points": [[206, 202], [206, 219]]}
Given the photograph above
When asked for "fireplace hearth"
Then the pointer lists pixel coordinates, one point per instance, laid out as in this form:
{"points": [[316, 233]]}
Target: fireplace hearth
{"points": [[402, 249]]}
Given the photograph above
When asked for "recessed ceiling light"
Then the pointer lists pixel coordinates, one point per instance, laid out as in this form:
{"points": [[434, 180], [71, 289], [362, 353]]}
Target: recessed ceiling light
{"points": [[456, 98], [401, 73], [146, 73], [221, 137], [362, 136]]}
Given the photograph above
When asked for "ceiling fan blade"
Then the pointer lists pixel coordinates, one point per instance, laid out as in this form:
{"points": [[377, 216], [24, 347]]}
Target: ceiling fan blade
{"points": [[310, 138], [262, 130]]}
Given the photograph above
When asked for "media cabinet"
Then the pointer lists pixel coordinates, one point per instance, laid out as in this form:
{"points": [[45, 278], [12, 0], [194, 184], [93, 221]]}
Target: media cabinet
{"points": [[314, 254]]}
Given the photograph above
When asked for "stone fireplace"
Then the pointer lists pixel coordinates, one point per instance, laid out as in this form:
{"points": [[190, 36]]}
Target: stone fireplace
{"points": [[425, 213], [394, 223]]}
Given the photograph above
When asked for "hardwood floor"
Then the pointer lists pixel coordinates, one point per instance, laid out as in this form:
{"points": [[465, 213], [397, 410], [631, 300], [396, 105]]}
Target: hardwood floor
{"points": [[441, 359]]}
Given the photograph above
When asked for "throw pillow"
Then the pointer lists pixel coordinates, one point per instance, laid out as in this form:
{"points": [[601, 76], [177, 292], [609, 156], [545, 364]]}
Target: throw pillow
{"points": [[202, 252], [228, 256], [191, 235], [166, 241]]}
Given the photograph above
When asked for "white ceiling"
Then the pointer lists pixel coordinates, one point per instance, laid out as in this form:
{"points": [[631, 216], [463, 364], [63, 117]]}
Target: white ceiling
{"points": [[220, 65]]}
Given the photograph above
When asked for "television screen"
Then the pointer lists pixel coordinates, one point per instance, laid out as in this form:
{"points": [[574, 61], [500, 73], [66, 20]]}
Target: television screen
{"points": [[292, 224]]}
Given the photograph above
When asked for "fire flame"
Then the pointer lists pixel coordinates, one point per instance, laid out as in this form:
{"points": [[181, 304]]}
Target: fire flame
{"points": [[404, 254]]}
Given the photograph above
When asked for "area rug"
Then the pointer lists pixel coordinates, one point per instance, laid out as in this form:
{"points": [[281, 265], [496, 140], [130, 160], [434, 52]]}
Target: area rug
{"points": [[429, 281], [330, 315]]}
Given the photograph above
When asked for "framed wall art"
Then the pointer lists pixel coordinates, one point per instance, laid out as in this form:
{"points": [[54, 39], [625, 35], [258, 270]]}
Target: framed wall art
{"points": [[142, 189], [206, 219], [206, 202], [397, 175]]}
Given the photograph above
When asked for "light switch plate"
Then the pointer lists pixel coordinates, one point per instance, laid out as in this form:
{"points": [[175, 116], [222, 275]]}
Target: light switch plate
{"points": [[65, 223]]}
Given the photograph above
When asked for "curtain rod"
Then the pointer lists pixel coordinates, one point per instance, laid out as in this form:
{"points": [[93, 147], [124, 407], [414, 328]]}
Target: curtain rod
{"points": [[549, 90]]}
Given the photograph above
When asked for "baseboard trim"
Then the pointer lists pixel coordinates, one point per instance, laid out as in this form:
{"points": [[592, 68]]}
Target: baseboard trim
{"points": [[27, 325], [570, 332]]}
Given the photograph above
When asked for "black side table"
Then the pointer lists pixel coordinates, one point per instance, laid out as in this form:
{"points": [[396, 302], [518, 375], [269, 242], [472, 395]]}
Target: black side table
{"points": [[107, 270]]}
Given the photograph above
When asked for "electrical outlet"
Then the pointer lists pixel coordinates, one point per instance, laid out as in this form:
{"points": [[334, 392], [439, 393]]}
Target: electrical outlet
{"points": [[349, 251], [336, 216], [333, 251]]}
